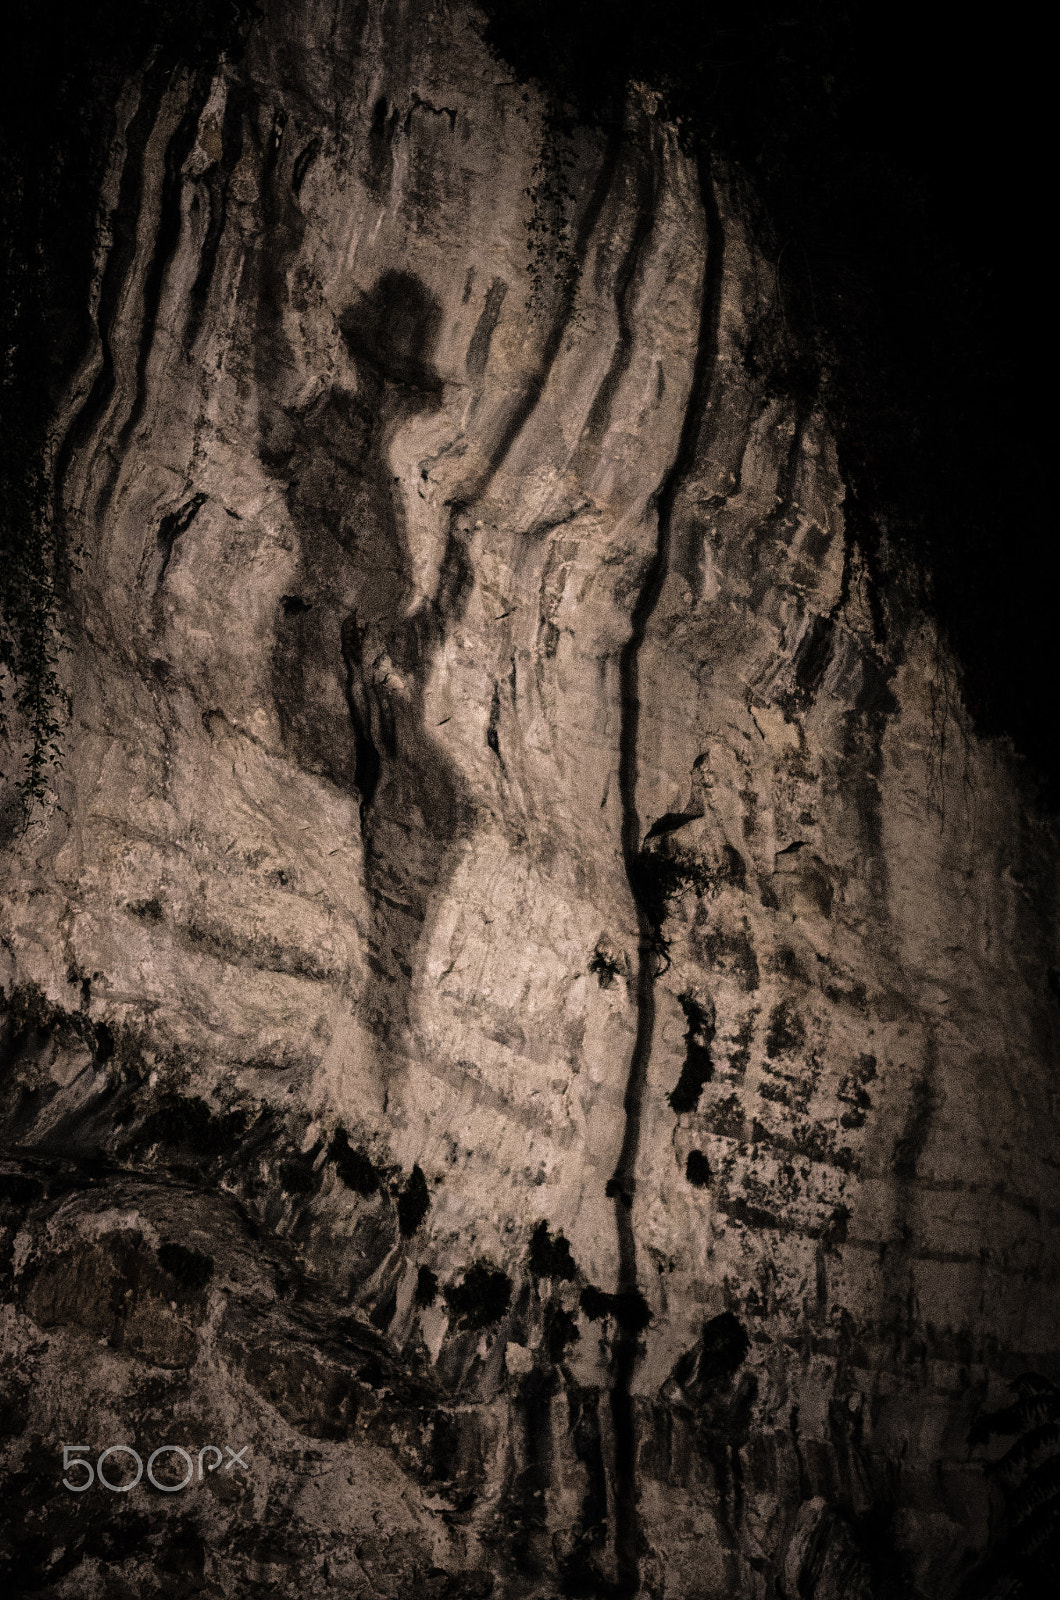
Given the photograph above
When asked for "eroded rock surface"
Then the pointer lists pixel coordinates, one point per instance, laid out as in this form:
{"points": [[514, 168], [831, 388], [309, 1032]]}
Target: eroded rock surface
{"points": [[531, 1008]]}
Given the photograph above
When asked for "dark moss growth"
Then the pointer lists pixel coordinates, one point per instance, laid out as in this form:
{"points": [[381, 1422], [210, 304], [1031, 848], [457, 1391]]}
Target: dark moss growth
{"points": [[186, 1122], [731, 953], [413, 1203], [657, 876], [550, 1255], [191, 1268], [297, 1174], [725, 1345], [699, 1066], [776, 1092], [352, 1166], [426, 1287], [743, 1038], [697, 1169], [726, 1117], [148, 910], [605, 968], [786, 1032], [628, 1308], [561, 1330], [481, 1298]]}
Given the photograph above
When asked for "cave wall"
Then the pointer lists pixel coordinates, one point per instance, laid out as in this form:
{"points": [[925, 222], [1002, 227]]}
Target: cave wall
{"points": [[516, 911]]}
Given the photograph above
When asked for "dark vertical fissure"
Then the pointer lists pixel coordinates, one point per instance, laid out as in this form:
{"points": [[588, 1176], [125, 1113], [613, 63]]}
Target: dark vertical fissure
{"points": [[622, 1185], [561, 320], [122, 253], [166, 242]]}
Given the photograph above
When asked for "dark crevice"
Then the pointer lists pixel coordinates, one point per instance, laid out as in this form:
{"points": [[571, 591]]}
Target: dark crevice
{"points": [[647, 178], [698, 1065], [303, 161], [217, 180], [368, 763], [166, 240], [478, 350], [122, 223], [812, 656], [778, 523], [561, 319], [621, 1187], [172, 526], [491, 731]]}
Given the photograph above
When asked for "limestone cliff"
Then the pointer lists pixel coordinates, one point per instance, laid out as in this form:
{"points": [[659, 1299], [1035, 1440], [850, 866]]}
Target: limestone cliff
{"points": [[530, 1007]]}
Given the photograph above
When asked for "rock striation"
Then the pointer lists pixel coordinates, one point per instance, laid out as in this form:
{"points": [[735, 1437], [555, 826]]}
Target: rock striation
{"points": [[531, 1008]]}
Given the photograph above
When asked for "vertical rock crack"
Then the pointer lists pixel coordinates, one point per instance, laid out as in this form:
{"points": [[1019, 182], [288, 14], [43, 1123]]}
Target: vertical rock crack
{"points": [[621, 1186]]}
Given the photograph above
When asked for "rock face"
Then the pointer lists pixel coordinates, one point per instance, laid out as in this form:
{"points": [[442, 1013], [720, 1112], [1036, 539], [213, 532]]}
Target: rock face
{"points": [[530, 1009]]}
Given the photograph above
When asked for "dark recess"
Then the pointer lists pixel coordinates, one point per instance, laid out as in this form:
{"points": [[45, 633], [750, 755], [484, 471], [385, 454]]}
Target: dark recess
{"points": [[352, 1166], [481, 1298], [426, 1287], [191, 1268], [699, 1066], [697, 1169], [550, 1255], [896, 159], [413, 1202]]}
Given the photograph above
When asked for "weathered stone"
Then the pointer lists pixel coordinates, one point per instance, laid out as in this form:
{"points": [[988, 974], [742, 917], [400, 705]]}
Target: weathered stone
{"points": [[581, 989]]}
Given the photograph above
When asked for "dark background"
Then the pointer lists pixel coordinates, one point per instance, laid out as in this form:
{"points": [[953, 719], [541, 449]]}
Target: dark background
{"points": [[898, 157]]}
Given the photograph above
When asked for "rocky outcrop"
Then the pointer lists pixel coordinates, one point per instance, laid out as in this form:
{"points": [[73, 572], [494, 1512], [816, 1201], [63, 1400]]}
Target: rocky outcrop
{"points": [[531, 1007]]}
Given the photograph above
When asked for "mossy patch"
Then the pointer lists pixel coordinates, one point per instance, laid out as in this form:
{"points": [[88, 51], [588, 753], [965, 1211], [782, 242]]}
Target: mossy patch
{"points": [[730, 953], [604, 967], [656, 877]]}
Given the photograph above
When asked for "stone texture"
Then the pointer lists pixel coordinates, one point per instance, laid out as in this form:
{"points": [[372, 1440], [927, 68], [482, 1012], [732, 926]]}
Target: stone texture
{"points": [[421, 615]]}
